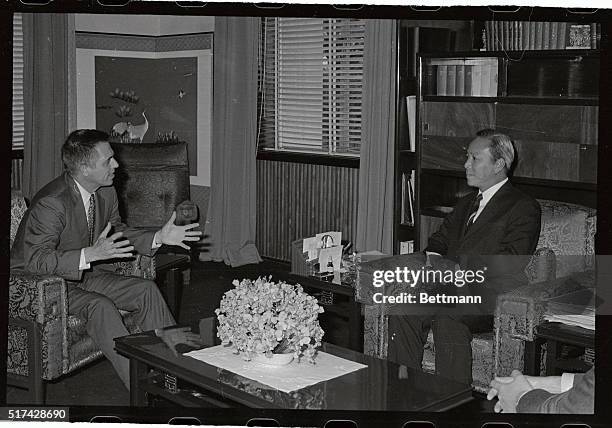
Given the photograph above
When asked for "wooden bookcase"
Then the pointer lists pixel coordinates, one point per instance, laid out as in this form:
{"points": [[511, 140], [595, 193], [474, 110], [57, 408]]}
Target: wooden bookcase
{"points": [[414, 37], [545, 100]]}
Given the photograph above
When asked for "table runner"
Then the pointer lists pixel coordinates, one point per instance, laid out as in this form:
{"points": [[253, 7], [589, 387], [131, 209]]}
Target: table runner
{"points": [[287, 378]]}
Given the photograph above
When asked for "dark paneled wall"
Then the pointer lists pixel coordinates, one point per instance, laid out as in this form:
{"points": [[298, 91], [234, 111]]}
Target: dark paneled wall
{"points": [[297, 200]]}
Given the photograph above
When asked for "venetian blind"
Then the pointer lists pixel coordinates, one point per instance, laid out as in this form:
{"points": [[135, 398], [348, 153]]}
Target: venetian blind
{"points": [[311, 73], [18, 111]]}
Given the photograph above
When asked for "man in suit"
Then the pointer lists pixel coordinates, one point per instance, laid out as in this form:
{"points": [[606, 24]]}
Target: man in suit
{"points": [[497, 219], [569, 393], [72, 228]]}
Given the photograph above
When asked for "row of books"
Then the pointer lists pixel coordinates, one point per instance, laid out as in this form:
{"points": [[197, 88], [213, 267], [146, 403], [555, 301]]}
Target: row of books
{"points": [[531, 35], [469, 78]]}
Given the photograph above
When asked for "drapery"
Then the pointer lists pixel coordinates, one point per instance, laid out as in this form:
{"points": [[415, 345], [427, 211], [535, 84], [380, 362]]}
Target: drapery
{"points": [[49, 95], [231, 218], [376, 180]]}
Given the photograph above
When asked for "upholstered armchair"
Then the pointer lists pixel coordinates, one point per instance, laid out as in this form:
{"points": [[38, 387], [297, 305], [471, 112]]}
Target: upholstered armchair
{"points": [[152, 180], [44, 341], [567, 230]]}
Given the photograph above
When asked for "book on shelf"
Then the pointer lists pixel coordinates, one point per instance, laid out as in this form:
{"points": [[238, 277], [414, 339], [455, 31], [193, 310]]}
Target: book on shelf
{"points": [[407, 214], [407, 247], [546, 35], [442, 77], [532, 35], [579, 36], [460, 83], [467, 90], [554, 35], [411, 113], [451, 80], [562, 36], [489, 35], [485, 80]]}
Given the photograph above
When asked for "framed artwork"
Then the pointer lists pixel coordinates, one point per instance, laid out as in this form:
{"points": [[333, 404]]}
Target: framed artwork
{"points": [[143, 89]]}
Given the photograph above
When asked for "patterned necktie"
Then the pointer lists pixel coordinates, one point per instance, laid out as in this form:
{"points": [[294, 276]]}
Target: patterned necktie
{"points": [[91, 218], [473, 211]]}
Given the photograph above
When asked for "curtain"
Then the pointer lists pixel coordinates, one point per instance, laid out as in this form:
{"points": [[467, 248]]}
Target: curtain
{"points": [[231, 218], [376, 179], [49, 94]]}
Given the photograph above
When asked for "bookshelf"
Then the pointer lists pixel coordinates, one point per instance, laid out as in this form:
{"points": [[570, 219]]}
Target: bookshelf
{"points": [[414, 37], [546, 100]]}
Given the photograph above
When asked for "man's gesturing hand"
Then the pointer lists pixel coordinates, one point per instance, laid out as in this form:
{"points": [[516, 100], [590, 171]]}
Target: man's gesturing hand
{"points": [[172, 234], [106, 248]]}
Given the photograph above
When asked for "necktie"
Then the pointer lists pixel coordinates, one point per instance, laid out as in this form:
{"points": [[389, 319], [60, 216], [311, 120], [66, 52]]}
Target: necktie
{"points": [[473, 211], [91, 218]]}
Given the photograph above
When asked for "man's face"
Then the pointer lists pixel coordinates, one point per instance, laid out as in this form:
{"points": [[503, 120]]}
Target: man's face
{"points": [[102, 169], [480, 169]]}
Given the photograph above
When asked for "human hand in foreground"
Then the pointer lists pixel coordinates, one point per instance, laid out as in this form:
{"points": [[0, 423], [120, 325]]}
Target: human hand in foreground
{"points": [[108, 247], [171, 234], [174, 336], [509, 391]]}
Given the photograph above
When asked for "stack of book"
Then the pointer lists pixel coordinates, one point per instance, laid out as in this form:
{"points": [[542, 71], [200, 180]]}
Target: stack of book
{"points": [[575, 308], [475, 77], [531, 35]]}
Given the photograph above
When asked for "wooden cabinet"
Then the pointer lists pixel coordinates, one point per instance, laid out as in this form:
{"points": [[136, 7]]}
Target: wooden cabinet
{"points": [[546, 101]]}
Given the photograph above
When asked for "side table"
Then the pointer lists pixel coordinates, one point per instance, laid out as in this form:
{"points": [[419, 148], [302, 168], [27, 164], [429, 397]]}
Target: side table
{"points": [[556, 336], [349, 309], [169, 270]]}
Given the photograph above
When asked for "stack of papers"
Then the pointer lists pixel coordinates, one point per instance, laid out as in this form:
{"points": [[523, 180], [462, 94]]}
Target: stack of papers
{"points": [[576, 308]]}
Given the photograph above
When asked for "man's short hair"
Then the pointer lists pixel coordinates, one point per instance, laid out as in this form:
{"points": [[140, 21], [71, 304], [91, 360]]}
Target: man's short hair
{"points": [[500, 146], [79, 149]]}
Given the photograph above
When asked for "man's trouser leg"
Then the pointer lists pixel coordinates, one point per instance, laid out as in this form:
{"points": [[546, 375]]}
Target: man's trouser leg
{"points": [[452, 340], [407, 337], [98, 302], [103, 323]]}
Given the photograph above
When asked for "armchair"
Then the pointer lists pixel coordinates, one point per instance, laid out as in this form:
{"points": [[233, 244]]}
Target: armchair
{"points": [[44, 341], [565, 246], [151, 181]]}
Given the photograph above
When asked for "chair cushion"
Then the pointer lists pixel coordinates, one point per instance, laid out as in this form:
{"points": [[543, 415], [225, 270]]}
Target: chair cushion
{"points": [[565, 231]]}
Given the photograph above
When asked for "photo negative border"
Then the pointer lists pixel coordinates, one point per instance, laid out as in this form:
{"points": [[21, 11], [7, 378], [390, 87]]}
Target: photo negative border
{"points": [[318, 418]]}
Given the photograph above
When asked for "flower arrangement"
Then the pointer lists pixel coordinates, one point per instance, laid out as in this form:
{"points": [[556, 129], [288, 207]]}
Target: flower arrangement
{"points": [[263, 317]]}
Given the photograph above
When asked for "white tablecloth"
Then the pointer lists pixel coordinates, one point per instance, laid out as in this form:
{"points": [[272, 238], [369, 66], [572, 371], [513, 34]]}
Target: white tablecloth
{"points": [[287, 378]]}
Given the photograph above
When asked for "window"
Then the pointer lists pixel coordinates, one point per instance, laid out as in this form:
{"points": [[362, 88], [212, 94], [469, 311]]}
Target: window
{"points": [[18, 115], [310, 85]]}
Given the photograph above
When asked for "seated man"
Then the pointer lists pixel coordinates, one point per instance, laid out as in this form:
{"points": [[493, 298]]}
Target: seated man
{"points": [[73, 226], [498, 219], [570, 393]]}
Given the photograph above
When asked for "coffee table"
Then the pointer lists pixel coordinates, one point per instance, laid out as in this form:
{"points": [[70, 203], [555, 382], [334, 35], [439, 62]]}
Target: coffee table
{"points": [[382, 386]]}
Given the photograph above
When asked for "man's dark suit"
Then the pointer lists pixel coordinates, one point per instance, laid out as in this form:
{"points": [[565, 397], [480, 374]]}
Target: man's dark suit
{"points": [[508, 225], [579, 399], [49, 240]]}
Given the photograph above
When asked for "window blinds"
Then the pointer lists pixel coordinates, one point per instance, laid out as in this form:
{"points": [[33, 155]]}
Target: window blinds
{"points": [[18, 112], [311, 72]]}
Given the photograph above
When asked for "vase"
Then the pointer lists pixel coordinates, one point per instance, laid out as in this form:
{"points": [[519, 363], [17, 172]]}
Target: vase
{"points": [[276, 360]]}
